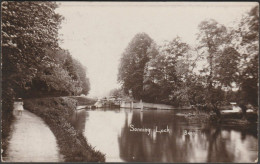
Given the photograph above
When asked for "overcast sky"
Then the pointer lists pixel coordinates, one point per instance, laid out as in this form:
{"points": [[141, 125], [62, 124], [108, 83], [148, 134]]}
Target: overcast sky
{"points": [[96, 33]]}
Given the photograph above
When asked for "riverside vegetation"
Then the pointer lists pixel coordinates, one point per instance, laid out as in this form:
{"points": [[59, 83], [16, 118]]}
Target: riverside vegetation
{"points": [[56, 112], [34, 66], [221, 67]]}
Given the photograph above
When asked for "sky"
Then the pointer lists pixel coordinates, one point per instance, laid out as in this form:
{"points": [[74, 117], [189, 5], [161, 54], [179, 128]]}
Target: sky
{"points": [[97, 33]]}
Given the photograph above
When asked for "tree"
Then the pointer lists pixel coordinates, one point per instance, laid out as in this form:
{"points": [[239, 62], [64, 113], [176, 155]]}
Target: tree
{"points": [[166, 73], [232, 55], [25, 24], [82, 76], [28, 30], [227, 67], [133, 62], [62, 76], [249, 46], [212, 38], [118, 93]]}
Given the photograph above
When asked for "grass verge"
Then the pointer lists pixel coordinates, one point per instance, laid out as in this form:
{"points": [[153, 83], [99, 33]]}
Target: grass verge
{"points": [[7, 121], [56, 112]]}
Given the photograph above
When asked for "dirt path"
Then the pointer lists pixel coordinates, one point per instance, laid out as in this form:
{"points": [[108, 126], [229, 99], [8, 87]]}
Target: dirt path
{"points": [[32, 141]]}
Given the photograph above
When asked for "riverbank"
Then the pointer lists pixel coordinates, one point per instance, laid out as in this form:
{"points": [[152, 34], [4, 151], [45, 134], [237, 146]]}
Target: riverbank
{"points": [[227, 119], [31, 140], [56, 112]]}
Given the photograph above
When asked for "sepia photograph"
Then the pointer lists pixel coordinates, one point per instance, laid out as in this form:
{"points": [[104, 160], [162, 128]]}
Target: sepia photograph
{"points": [[168, 82]]}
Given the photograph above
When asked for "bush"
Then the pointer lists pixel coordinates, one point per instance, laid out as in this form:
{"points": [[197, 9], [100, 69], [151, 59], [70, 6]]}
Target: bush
{"points": [[7, 116]]}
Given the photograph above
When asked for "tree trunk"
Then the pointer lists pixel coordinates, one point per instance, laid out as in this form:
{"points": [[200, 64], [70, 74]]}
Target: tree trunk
{"points": [[216, 110], [244, 108]]}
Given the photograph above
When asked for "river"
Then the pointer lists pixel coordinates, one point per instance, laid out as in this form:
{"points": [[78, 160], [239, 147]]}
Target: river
{"points": [[112, 131]]}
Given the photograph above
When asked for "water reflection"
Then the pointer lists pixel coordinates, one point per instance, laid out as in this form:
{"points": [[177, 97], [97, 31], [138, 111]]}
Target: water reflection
{"points": [[78, 120], [108, 131]]}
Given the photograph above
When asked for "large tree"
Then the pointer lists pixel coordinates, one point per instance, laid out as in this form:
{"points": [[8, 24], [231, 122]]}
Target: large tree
{"points": [[166, 73], [232, 56], [32, 58], [28, 30], [133, 62], [248, 45], [249, 32], [212, 37]]}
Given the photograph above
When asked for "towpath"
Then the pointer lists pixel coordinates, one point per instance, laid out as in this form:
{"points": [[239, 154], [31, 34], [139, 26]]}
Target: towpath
{"points": [[32, 141]]}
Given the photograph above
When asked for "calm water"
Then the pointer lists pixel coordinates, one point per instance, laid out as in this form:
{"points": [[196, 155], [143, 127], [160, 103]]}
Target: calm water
{"points": [[109, 132]]}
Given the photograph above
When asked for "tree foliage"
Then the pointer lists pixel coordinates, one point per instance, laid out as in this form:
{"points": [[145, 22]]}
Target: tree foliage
{"points": [[167, 71], [31, 54], [225, 60], [133, 62], [33, 64], [249, 46], [212, 37]]}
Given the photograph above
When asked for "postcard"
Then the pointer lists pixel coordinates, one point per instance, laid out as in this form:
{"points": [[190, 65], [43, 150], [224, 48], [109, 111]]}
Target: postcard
{"points": [[168, 82]]}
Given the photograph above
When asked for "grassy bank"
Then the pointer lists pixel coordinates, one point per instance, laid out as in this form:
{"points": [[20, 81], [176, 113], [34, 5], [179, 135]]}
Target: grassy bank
{"points": [[7, 121], [56, 112]]}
